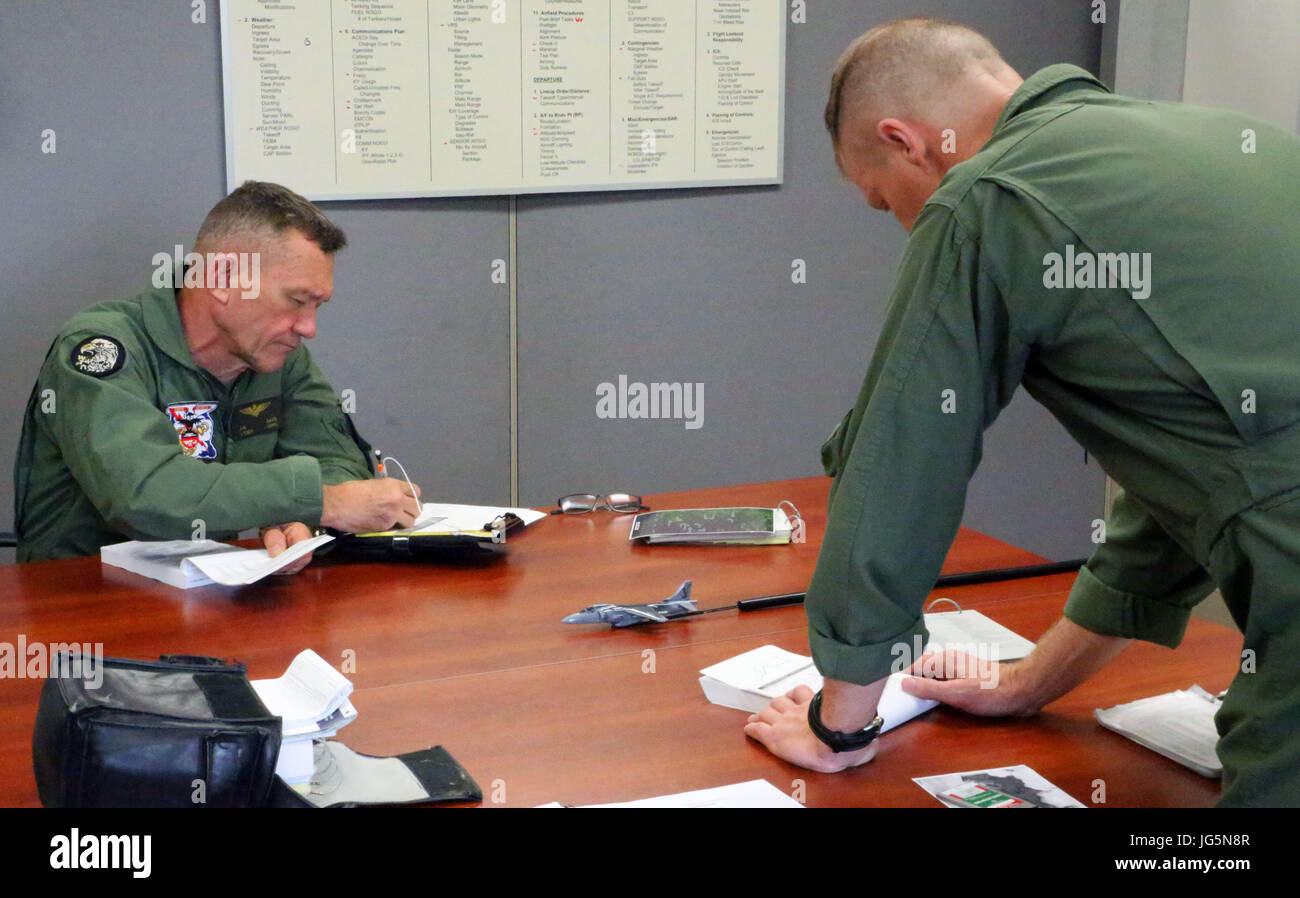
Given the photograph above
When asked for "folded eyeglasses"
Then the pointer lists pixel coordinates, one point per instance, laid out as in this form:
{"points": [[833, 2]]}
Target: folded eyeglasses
{"points": [[581, 503]]}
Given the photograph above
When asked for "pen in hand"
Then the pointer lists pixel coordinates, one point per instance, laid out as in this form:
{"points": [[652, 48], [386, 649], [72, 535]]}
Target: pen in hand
{"points": [[382, 472]]}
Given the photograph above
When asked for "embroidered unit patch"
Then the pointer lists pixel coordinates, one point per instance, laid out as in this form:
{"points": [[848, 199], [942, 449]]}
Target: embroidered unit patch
{"points": [[193, 422]]}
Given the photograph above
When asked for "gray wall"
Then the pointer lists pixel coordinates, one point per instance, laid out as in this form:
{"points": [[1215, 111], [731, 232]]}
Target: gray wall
{"points": [[1249, 61], [689, 285], [1151, 39]]}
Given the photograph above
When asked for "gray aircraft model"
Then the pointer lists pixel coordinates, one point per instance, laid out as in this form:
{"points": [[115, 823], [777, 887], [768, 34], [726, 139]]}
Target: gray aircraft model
{"points": [[678, 604]]}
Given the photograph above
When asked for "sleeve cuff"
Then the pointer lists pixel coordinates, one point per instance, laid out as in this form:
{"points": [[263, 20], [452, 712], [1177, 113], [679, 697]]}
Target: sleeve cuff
{"points": [[306, 495], [1109, 612], [866, 664]]}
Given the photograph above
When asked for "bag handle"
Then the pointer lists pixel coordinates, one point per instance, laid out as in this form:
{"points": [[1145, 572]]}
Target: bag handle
{"points": [[195, 660]]}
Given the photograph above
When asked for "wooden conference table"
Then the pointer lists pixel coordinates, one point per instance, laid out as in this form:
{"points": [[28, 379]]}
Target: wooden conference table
{"points": [[475, 658]]}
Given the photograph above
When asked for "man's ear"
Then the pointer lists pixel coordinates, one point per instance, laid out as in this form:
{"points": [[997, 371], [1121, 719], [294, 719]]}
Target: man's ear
{"points": [[222, 272], [899, 135]]}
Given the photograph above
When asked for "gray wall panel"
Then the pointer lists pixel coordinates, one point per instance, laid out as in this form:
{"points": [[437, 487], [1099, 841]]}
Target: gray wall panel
{"points": [[1150, 48], [421, 334]]}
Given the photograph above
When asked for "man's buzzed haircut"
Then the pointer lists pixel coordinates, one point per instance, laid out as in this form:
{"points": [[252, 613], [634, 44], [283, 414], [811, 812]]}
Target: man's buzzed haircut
{"points": [[257, 209], [897, 69]]}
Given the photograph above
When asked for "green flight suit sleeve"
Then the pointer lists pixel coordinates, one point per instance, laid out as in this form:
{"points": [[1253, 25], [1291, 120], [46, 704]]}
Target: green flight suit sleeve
{"points": [[946, 363], [315, 425], [1139, 583], [123, 452]]}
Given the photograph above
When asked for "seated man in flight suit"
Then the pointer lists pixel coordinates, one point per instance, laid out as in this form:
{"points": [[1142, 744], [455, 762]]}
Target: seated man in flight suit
{"points": [[196, 409], [1134, 265]]}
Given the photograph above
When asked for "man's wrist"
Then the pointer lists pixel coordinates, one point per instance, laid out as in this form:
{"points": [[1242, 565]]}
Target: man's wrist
{"points": [[1066, 655], [1018, 680], [848, 707], [326, 506], [1027, 685]]}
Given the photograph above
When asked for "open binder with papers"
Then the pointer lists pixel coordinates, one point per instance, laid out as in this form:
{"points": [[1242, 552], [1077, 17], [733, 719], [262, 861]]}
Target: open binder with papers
{"points": [[443, 528]]}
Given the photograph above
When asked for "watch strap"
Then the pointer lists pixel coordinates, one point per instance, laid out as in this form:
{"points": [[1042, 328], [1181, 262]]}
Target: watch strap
{"points": [[838, 741]]}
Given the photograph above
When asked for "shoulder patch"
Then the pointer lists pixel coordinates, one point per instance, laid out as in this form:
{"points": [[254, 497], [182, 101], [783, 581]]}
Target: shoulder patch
{"points": [[99, 356]]}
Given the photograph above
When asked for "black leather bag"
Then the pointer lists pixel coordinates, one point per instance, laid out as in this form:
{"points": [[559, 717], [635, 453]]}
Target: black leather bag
{"points": [[183, 731]]}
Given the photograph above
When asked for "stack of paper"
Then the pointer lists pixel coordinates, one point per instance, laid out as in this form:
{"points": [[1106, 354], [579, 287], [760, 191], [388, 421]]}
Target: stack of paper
{"points": [[163, 561], [312, 700], [749, 682], [185, 563], [1178, 725]]}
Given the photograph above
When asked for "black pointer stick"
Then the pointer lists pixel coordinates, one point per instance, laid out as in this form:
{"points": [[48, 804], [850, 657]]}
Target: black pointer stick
{"points": [[967, 579], [790, 598]]}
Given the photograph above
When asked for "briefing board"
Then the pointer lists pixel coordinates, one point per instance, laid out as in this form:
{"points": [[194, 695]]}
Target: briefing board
{"points": [[360, 99]]}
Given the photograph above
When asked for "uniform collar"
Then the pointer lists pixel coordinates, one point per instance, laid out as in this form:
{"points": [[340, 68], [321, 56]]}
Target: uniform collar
{"points": [[162, 319], [1048, 85]]}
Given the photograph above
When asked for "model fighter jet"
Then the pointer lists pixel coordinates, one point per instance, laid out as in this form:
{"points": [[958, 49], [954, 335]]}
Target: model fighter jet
{"points": [[679, 604]]}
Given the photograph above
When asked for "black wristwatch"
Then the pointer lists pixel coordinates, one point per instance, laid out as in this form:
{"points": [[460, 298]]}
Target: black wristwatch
{"points": [[838, 741]]}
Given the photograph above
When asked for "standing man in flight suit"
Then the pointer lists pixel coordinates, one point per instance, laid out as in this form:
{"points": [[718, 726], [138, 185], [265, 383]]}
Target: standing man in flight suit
{"points": [[1135, 266], [196, 408]]}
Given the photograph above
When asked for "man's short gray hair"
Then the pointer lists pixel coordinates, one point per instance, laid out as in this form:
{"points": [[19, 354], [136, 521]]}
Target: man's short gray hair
{"points": [[260, 208], [896, 69]]}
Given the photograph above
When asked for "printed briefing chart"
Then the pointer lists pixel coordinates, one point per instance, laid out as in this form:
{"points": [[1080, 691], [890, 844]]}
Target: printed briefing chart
{"points": [[354, 99]]}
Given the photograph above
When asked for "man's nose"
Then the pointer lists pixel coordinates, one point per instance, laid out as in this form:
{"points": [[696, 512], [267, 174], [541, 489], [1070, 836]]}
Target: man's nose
{"points": [[305, 327]]}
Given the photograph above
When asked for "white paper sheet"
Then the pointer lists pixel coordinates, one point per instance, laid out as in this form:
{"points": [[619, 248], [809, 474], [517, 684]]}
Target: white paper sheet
{"points": [[752, 794], [239, 567]]}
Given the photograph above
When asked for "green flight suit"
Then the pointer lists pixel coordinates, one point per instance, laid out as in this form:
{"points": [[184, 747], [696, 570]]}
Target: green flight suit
{"points": [[1185, 386], [125, 437]]}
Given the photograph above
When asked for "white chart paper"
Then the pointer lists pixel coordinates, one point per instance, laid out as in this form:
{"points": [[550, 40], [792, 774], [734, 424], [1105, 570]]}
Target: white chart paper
{"points": [[340, 99]]}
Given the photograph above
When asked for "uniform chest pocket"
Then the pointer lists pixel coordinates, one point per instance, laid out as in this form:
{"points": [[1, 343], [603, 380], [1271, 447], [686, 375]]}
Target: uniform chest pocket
{"points": [[258, 418], [254, 430]]}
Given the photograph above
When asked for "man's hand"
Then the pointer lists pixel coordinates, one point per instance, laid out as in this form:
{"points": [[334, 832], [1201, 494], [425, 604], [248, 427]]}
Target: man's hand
{"points": [[1065, 657], [359, 506], [277, 539], [783, 728], [984, 687]]}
